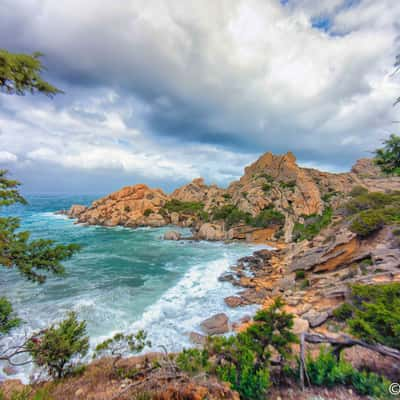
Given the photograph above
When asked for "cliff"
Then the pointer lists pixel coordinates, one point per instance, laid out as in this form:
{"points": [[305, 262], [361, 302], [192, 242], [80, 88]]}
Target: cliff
{"points": [[272, 182]]}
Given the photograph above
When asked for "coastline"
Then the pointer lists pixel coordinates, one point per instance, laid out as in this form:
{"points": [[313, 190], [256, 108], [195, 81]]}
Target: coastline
{"points": [[247, 249]]}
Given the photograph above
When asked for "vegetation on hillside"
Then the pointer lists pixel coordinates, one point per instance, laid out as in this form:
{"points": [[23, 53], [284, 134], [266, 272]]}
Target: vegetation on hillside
{"points": [[326, 370], [369, 212], [373, 313], [243, 360], [312, 226], [232, 215], [194, 208]]}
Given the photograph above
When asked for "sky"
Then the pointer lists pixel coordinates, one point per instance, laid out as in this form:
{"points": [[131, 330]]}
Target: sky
{"points": [[162, 92]]}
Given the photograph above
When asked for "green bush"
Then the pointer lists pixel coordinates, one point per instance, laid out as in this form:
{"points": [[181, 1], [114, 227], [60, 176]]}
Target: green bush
{"points": [[374, 200], [358, 191], [288, 185], [186, 207], [326, 370], [268, 217], [193, 360], [367, 222], [300, 274], [312, 226], [231, 215], [369, 212], [147, 212], [56, 348], [244, 359], [305, 284], [376, 317], [343, 312], [266, 187]]}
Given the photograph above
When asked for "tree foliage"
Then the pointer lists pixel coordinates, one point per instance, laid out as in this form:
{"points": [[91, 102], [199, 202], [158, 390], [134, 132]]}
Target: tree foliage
{"points": [[21, 73], [56, 348], [369, 212], [120, 345], [388, 157], [326, 370], [8, 319], [32, 258], [244, 359], [376, 315]]}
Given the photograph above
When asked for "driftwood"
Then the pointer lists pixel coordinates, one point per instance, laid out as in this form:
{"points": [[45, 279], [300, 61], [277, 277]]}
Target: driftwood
{"points": [[339, 344]]}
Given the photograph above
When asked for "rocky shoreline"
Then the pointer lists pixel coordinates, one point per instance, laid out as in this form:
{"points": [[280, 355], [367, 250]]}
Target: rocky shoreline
{"points": [[312, 276]]}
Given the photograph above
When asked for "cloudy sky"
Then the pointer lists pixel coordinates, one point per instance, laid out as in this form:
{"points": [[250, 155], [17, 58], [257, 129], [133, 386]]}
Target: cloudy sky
{"points": [[163, 91]]}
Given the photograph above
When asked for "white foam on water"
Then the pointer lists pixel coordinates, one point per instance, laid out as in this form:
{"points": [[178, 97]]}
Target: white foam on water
{"points": [[198, 295]]}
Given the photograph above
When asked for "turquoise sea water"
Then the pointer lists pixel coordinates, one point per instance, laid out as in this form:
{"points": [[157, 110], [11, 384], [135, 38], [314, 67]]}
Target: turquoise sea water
{"points": [[122, 279]]}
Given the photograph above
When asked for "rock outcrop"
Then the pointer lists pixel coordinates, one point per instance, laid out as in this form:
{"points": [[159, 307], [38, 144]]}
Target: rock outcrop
{"points": [[216, 325], [273, 181], [131, 206], [172, 235]]}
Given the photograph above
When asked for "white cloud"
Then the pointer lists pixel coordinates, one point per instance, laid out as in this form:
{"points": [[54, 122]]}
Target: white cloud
{"points": [[7, 157], [145, 80]]}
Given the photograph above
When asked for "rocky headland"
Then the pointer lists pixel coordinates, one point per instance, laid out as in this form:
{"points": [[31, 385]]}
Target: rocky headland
{"points": [[273, 182]]}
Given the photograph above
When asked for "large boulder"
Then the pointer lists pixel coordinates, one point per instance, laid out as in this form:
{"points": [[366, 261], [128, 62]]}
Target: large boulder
{"points": [[197, 338], [172, 235], [315, 318], [210, 231], [216, 325]]}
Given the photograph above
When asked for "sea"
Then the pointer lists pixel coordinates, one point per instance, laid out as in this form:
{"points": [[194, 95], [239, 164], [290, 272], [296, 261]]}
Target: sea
{"points": [[122, 280]]}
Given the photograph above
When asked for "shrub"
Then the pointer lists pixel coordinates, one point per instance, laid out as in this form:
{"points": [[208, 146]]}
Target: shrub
{"points": [[343, 312], [243, 359], [226, 196], [268, 217], [193, 360], [313, 224], [55, 348], [305, 284], [300, 274], [231, 215], [187, 207], [147, 212], [376, 317], [288, 185], [369, 201], [267, 177], [358, 191], [326, 370], [266, 187], [120, 345], [367, 222]]}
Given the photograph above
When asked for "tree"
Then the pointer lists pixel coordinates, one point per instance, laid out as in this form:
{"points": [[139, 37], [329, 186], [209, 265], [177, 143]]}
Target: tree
{"points": [[244, 359], [388, 157], [56, 348], [21, 73], [120, 345]]}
